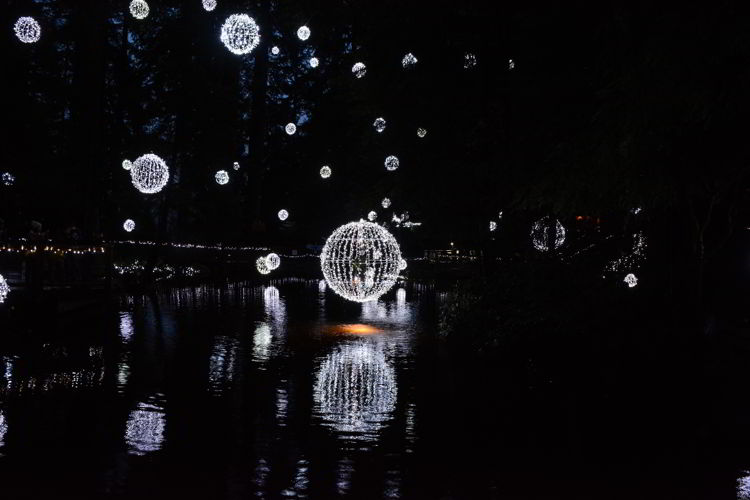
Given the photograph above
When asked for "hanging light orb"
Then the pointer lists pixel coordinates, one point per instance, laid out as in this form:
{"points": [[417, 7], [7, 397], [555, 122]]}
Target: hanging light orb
{"points": [[385, 203], [283, 214], [379, 124], [275, 50], [8, 179], [493, 226], [470, 60], [209, 5], [273, 261], [314, 62], [240, 34], [372, 216], [325, 171], [4, 289], [303, 33], [540, 234], [139, 9], [236, 166], [27, 29], [129, 225], [359, 70], [402, 264], [421, 132], [290, 128], [360, 261], [127, 164], [408, 60], [631, 280], [222, 177], [391, 163], [261, 265], [149, 174]]}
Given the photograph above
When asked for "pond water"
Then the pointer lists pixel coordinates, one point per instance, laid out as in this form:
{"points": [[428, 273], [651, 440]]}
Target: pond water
{"points": [[286, 391]]}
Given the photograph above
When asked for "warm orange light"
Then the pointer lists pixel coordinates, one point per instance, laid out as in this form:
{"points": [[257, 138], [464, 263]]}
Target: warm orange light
{"points": [[355, 329]]}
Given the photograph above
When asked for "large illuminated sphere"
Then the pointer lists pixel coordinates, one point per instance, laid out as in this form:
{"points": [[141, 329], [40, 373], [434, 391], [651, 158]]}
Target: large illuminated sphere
{"points": [[275, 50], [540, 234], [421, 132], [303, 33], [222, 177], [139, 9], [4, 289], [391, 163], [27, 29], [290, 128], [386, 202], [209, 5], [273, 261], [360, 261], [240, 34], [127, 164], [314, 62], [408, 60], [379, 124], [129, 225], [283, 214], [359, 70], [325, 171], [261, 265], [149, 174]]}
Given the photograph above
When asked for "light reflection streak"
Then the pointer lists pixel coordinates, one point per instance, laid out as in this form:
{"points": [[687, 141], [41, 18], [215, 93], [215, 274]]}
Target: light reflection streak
{"points": [[222, 363], [3, 429], [262, 343], [144, 431], [126, 326]]}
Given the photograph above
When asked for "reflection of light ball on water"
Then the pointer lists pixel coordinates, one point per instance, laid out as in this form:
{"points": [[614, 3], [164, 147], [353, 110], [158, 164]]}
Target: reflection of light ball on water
{"points": [[240, 34], [4, 289], [540, 234], [149, 174]]}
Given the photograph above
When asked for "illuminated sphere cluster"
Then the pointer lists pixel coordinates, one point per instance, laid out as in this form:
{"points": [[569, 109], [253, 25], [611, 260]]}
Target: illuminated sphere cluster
{"points": [[360, 261], [391, 163], [421, 132], [408, 60], [261, 265], [372, 216], [4, 289], [290, 128], [325, 171], [283, 214], [209, 5], [129, 225], [273, 261], [379, 124], [303, 33], [240, 34], [222, 177], [314, 62], [139, 9], [540, 234], [149, 174], [359, 70], [27, 29], [385, 203]]}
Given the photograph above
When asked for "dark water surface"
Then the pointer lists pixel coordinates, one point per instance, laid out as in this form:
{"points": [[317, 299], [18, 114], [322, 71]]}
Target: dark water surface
{"points": [[285, 391]]}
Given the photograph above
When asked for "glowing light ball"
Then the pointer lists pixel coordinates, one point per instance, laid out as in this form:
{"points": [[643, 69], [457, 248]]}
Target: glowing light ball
{"points": [[275, 50], [283, 214], [540, 236], [379, 124], [222, 177], [261, 265], [8, 179], [27, 29], [385, 203], [391, 163], [236, 166], [240, 34], [290, 128], [322, 286], [4, 289], [303, 33], [314, 62], [421, 132], [139, 9], [360, 261], [273, 261], [511, 64], [402, 264], [408, 60], [631, 280], [127, 164], [209, 5], [359, 70], [372, 215], [129, 225], [149, 174], [493, 225], [470, 60], [325, 171], [355, 390]]}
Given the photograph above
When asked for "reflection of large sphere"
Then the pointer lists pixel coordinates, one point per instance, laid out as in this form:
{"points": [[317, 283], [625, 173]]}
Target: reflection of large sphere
{"points": [[4, 289], [355, 390], [240, 34], [139, 9], [540, 234], [149, 174], [360, 261], [27, 29]]}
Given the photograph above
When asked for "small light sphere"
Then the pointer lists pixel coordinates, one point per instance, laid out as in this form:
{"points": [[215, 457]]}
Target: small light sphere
{"points": [[27, 29], [402, 264], [385, 203], [540, 234], [4, 289], [631, 280], [391, 163], [379, 124], [314, 62], [408, 60], [139, 9], [240, 34], [322, 286], [303, 33], [261, 265], [275, 50], [209, 5], [359, 70], [470, 60], [149, 174], [325, 171], [236, 165], [360, 261], [372, 216], [222, 177], [290, 128], [283, 214], [127, 164], [8, 179], [273, 261], [129, 225], [493, 226], [511, 64], [421, 132]]}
